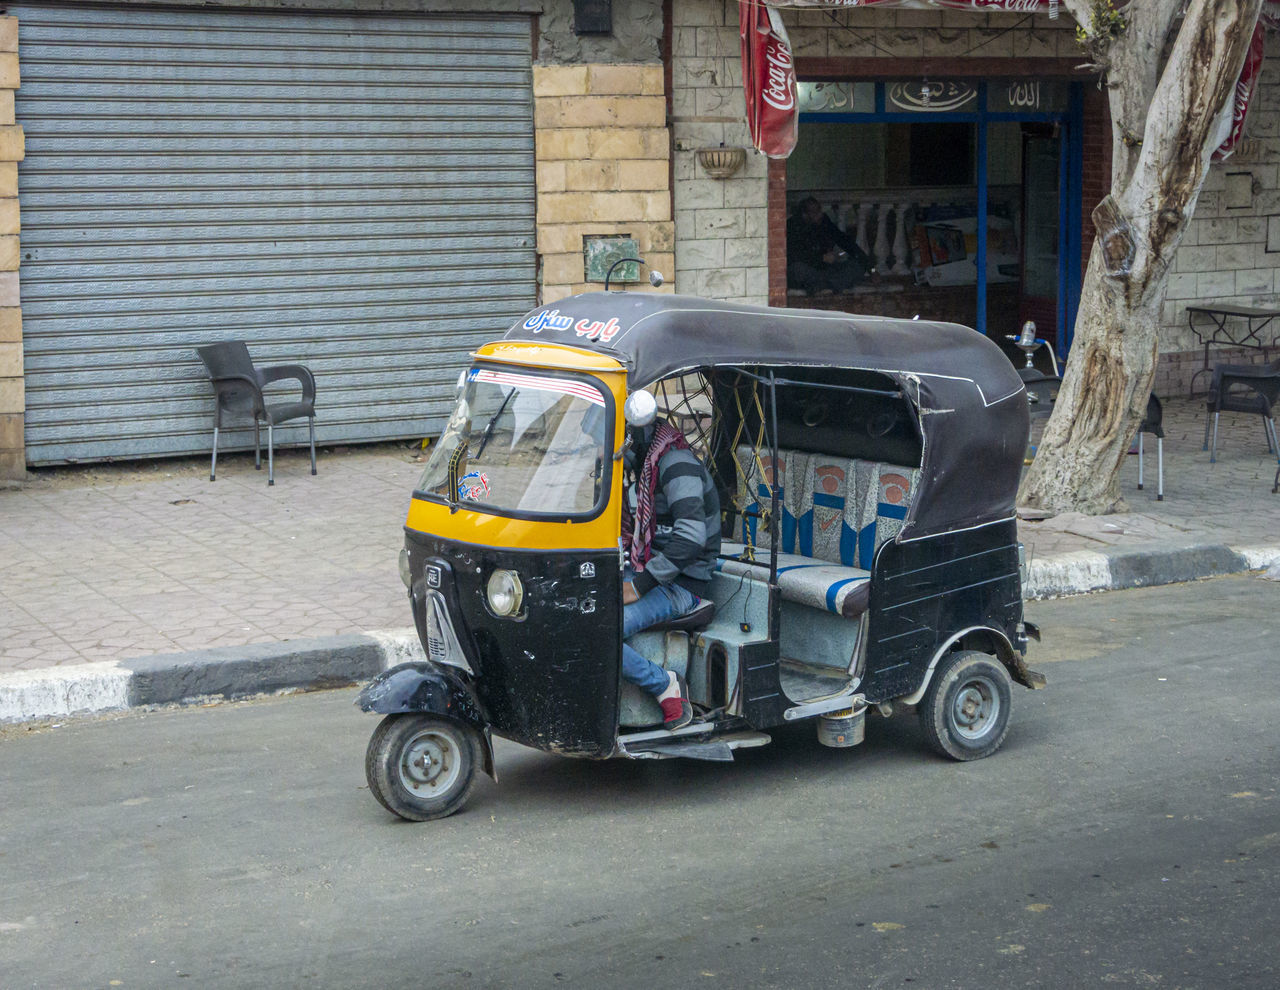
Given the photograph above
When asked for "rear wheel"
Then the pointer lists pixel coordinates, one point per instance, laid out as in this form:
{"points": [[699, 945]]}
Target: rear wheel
{"points": [[965, 711], [421, 767]]}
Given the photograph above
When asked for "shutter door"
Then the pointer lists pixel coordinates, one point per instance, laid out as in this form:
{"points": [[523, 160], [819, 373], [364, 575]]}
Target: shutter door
{"points": [[353, 193]]}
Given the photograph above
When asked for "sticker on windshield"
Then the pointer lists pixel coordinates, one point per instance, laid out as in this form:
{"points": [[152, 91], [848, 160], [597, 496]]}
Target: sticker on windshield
{"points": [[561, 386], [473, 486]]}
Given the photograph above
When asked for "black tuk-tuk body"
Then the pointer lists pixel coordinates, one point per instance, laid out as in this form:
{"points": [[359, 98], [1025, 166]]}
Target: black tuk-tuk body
{"points": [[868, 468]]}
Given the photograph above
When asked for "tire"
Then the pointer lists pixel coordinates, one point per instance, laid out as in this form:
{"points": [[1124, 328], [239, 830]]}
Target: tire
{"points": [[421, 767], [965, 711]]}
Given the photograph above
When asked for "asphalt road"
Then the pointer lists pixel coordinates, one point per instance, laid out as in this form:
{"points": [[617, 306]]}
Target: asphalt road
{"points": [[1128, 834]]}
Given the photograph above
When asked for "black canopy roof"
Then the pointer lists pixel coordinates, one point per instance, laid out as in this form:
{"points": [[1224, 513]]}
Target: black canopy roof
{"points": [[971, 403]]}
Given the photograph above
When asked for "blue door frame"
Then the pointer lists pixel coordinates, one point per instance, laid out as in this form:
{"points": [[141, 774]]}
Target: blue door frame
{"points": [[1070, 193]]}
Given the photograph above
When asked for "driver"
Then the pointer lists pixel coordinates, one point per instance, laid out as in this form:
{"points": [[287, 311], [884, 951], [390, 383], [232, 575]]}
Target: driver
{"points": [[671, 536]]}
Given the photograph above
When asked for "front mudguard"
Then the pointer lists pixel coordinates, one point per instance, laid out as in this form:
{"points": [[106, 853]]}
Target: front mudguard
{"points": [[428, 689]]}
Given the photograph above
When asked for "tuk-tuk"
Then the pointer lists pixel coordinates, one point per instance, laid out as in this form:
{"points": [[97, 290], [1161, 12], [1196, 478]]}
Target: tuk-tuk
{"points": [[867, 469]]}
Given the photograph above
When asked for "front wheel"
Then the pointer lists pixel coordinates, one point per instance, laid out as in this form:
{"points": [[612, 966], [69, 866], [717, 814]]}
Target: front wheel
{"points": [[965, 712], [421, 767]]}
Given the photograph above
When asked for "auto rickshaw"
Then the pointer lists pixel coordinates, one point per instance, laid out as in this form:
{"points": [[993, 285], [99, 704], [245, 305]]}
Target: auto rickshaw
{"points": [[867, 469]]}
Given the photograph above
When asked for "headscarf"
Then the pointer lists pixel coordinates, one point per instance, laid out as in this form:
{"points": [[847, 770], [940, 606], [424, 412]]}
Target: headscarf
{"points": [[637, 532]]}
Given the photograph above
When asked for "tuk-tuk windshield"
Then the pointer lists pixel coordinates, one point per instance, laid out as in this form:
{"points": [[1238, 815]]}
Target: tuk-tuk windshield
{"points": [[522, 443]]}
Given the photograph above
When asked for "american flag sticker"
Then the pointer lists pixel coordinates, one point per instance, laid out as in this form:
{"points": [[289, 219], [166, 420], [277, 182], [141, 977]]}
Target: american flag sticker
{"points": [[561, 386]]}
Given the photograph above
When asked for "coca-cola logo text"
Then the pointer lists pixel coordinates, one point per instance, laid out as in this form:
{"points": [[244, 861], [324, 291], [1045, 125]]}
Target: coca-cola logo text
{"points": [[779, 90]]}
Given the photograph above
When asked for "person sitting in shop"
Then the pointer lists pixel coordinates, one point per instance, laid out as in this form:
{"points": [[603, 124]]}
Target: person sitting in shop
{"points": [[821, 258]]}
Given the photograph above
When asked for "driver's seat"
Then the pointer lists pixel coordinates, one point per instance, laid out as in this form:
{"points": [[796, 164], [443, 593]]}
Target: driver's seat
{"points": [[694, 621]]}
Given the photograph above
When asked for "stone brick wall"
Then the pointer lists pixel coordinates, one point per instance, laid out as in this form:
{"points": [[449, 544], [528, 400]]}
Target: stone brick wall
{"points": [[636, 35], [906, 34], [12, 395], [603, 167], [721, 224], [1231, 250]]}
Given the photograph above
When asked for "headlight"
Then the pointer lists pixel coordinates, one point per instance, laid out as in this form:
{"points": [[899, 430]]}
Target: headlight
{"points": [[505, 592], [405, 574]]}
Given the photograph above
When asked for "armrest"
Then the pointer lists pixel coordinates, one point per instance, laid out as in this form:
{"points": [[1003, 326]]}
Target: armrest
{"points": [[295, 372], [1233, 371], [247, 379], [1034, 376], [1250, 384], [1251, 372]]}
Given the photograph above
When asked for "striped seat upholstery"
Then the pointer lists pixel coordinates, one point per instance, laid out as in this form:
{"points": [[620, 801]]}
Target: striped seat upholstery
{"points": [[835, 513], [804, 580]]}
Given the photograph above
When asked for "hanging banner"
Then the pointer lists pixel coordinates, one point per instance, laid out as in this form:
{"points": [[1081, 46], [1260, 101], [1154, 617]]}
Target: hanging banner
{"points": [[1245, 89], [769, 76]]}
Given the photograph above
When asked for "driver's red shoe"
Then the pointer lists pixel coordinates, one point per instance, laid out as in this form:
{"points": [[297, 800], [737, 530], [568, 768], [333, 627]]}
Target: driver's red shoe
{"points": [[674, 702]]}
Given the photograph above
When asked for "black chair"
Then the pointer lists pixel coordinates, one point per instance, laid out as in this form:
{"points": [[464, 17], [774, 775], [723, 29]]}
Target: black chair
{"points": [[1042, 395], [238, 387], [1153, 423], [1042, 390], [1246, 388]]}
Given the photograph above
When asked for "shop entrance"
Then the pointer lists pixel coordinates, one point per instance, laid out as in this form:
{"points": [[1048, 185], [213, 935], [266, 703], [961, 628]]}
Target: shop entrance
{"points": [[963, 196]]}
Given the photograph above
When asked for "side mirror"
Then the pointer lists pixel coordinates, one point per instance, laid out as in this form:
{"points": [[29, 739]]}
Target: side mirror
{"points": [[640, 409]]}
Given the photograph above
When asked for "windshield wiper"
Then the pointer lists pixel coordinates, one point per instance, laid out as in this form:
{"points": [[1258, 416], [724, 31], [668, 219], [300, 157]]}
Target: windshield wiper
{"points": [[488, 430], [452, 476]]}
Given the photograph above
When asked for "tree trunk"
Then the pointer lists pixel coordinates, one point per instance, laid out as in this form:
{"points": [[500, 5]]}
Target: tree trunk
{"points": [[1155, 183], [1101, 402]]}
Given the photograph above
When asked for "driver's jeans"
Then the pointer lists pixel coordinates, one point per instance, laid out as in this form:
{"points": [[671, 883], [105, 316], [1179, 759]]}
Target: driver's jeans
{"points": [[657, 605]]}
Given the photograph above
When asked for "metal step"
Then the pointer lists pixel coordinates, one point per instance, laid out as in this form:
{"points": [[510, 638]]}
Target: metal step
{"points": [[719, 748]]}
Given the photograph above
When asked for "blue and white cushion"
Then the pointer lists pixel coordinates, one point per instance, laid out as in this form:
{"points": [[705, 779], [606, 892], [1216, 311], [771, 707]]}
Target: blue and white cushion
{"points": [[804, 580]]}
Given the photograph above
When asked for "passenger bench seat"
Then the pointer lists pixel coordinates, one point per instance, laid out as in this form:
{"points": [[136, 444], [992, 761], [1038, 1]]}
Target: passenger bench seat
{"points": [[835, 513]]}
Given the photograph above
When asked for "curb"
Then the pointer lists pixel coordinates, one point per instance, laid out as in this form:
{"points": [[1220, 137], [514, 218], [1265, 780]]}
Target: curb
{"points": [[224, 673], [1084, 571], [231, 672]]}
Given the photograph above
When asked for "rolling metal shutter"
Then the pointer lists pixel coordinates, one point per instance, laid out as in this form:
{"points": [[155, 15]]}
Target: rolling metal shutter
{"points": [[353, 193]]}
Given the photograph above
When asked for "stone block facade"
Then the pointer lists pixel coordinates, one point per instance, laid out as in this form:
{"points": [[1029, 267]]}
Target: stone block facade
{"points": [[1231, 250], [12, 392], [602, 149], [721, 224]]}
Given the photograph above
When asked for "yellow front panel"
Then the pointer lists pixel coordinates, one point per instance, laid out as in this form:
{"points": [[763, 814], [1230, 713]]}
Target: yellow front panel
{"points": [[485, 529], [560, 357]]}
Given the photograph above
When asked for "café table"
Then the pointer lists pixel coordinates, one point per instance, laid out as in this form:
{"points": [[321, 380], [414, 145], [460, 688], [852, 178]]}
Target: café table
{"points": [[1226, 325]]}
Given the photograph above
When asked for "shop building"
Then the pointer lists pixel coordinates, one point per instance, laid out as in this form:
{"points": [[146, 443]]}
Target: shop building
{"points": [[912, 123], [374, 188]]}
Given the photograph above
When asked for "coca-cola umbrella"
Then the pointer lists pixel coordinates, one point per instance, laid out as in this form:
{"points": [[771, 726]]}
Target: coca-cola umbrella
{"points": [[768, 78]]}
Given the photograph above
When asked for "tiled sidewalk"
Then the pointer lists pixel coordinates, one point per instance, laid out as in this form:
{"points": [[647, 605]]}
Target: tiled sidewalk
{"points": [[1227, 502], [102, 568], [119, 569]]}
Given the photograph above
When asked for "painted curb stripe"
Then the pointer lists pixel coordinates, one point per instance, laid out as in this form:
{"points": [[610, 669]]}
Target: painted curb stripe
{"points": [[93, 688]]}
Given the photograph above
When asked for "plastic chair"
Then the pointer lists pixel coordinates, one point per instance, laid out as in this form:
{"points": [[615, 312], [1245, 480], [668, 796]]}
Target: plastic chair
{"points": [[1042, 395], [1042, 390], [238, 386], [1246, 388], [1153, 423]]}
